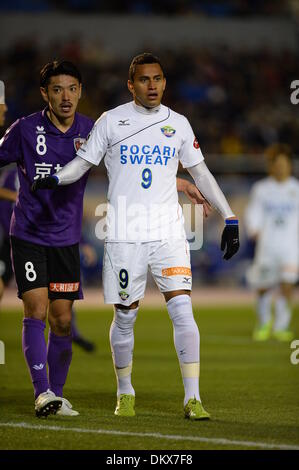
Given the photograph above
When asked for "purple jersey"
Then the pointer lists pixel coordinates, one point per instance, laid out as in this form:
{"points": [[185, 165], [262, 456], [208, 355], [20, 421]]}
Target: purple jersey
{"points": [[50, 218], [9, 180]]}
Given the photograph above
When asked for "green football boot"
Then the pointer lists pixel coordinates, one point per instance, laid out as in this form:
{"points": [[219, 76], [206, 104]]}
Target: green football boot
{"points": [[262, 333], [195, 411], [125, 405], [283, 335]]}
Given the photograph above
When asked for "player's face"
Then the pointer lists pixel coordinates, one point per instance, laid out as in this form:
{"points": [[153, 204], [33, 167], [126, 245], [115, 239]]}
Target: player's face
{"points": [[281, 168], [148, 85], [62, 95], [3, 109]]}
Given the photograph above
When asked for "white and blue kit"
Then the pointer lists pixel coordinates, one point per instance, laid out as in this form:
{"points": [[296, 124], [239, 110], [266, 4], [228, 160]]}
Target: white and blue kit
{"points": [[141, 150], [273, 216]]}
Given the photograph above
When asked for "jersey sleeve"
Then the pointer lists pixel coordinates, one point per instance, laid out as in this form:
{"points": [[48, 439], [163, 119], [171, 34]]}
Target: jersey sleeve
{"points": [[254, 212], [189, 153], [95, 147], [10, 145]]}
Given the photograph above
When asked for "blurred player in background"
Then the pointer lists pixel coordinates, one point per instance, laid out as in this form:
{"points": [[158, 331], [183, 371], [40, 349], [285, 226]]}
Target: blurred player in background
{"points": [[9, 185], [142, 143], [8, 194], [272, 220], [45, 231], [88, 253]]}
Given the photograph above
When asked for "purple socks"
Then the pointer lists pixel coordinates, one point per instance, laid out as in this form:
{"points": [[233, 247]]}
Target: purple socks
{"points": [[59, 357], [59, 360], [35, 352]]}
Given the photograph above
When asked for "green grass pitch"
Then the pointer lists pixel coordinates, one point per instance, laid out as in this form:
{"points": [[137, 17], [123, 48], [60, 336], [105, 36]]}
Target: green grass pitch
{"points": [[251, 390]]}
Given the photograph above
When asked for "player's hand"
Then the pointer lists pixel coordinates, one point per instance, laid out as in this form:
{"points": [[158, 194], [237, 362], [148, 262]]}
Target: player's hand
{"points": [[50, 182], [194, 195], [89, 254], [230, 238]]}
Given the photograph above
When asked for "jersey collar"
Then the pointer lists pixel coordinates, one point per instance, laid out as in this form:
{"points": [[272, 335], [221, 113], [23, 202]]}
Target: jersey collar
{"points": [[142, 110], [53, 129]]}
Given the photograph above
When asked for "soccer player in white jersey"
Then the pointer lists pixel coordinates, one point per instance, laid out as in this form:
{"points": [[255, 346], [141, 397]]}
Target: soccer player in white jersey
{"points": [[142, 143], [272, 220]]}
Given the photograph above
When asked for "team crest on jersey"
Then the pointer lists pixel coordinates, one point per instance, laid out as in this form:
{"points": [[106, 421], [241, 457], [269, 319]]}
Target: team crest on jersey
{"points": [[168, 131], [78, 141], [123, 295]]}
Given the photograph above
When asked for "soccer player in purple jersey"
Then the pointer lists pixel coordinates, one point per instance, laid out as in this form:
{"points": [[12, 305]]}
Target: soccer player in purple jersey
{"points": [[45, 231], [9, 186]]}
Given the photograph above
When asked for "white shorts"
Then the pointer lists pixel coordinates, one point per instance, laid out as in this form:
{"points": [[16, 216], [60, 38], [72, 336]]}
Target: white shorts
{"points": [[125, 268], [270, 269]]}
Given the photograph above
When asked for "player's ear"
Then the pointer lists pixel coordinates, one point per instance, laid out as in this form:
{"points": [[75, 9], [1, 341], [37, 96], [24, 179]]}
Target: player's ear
{"points": [[130, 86], [164, 83], [80, 90], [44, 94]]}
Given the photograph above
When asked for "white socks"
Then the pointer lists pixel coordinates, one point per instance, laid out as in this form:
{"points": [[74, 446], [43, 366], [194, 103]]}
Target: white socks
{"points": [[264, 302], [282, 311], [186, 341], [122, 345], [282, 314]]}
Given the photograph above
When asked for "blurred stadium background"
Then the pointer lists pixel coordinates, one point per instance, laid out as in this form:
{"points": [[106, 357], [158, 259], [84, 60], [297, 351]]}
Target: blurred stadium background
{"points": [[229, 66]]}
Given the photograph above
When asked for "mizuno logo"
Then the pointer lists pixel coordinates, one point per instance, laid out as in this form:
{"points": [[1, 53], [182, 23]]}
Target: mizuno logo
{"points": [[182, 352], [40, 367], [123, 122], [40, 130]]}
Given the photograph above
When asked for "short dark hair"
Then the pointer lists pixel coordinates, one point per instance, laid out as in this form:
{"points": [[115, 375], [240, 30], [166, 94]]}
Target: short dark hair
{"points": [[144, 58], [274, 150], [58, 67]]}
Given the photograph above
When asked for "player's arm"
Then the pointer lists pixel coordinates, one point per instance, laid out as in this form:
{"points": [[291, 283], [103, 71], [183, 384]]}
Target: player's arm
{"points": [[8, 195], [90, 154], [192, 159], [193, 194], [10, 145], [208, 186], [69, 174], [89, 254]]}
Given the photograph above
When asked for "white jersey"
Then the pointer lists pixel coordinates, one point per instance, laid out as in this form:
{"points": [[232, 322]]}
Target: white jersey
{"points": [[273, 214], [141, 150]]}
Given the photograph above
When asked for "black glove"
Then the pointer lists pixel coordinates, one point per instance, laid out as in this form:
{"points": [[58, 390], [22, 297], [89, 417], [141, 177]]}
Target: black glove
{"points": [[230, 240], [50, 182]]}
